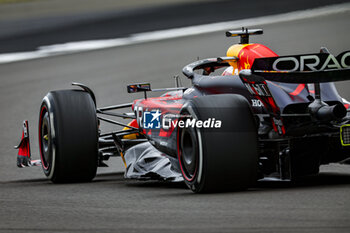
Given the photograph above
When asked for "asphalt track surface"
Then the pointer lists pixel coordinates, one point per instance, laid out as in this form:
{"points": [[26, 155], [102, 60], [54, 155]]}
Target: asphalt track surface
{"points": [[29, 202], [32, 32]]}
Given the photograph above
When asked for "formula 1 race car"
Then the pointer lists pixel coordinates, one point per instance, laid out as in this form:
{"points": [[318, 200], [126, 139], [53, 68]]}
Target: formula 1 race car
{"points": [[249, 116]]}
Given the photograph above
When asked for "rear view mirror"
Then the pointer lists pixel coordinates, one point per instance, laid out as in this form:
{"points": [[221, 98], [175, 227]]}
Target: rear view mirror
{"points": [[138, 87]]}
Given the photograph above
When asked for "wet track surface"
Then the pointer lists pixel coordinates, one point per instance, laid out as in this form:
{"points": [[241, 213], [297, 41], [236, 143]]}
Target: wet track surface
{"points": [[29, 202]]}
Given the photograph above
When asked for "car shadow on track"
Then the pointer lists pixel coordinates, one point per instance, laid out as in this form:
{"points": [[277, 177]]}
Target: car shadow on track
{"points": [[40, 180], [321, 180], [155, 184], [327, 179], [107, 177]]}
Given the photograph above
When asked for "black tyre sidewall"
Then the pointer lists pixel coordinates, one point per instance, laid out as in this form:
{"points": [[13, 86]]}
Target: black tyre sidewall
{"points": [[229, 158], [74, 136], [46, 165]]}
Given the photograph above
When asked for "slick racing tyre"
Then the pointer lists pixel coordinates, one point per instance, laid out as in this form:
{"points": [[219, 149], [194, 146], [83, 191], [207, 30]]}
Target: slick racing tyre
{"points": [[223, 158], [68, 136]]}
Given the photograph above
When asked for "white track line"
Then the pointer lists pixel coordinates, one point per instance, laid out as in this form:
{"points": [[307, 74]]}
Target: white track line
{"points": [[74, 47]]}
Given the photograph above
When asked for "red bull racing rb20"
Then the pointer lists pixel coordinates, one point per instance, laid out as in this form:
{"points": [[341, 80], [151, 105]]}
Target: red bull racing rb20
{"points": [[248, 116]]}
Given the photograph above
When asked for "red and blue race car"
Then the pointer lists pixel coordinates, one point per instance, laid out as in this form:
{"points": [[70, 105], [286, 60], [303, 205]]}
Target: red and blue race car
{"points": [[251, 115]]}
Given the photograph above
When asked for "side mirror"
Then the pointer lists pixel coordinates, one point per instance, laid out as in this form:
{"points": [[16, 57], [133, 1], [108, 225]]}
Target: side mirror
{"points": [[139, 87]]}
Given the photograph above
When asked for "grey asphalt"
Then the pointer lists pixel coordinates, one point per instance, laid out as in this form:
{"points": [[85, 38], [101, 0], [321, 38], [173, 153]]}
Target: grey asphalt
{"points": [[30, 203], [27, 26]]}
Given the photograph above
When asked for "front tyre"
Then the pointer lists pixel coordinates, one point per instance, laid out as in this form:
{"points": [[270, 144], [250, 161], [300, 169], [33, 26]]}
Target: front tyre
{"points": [[219, 159], [68, 136]]}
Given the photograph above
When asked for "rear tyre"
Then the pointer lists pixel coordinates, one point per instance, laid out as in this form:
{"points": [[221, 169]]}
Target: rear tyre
{"points": [[219, 159], [68, 136]]}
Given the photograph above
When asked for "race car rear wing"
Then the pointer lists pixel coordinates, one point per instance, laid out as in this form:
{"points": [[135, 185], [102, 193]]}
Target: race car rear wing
{"points": [[305, 76], [307, 68]]}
